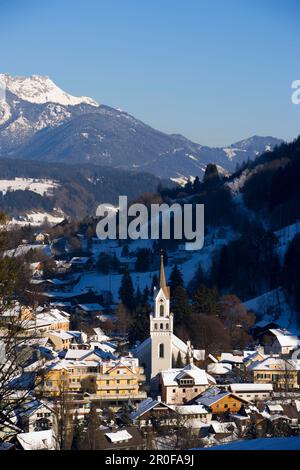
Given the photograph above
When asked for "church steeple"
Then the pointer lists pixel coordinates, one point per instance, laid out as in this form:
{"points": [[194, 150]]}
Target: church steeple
{"points": [[162, 278]]}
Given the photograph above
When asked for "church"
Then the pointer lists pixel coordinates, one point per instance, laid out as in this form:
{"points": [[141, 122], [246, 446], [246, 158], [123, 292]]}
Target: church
{"points": [[158, 352]]}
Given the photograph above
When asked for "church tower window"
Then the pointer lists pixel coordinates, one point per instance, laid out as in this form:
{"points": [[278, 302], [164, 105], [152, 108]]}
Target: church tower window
{"points": [[161, 310], [161, 351]]}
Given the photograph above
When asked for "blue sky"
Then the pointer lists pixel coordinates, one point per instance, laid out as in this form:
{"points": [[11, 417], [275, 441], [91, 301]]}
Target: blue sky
{"points": [[215, 71]]}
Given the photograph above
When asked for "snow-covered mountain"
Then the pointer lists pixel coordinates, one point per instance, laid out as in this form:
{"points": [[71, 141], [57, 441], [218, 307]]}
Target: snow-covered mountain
{"points": [[39, 121], [40, 90]]}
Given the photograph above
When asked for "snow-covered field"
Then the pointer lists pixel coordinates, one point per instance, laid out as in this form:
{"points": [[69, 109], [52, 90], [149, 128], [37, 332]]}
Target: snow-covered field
{"points": [[273, 443], [188, 262], [38, 186], [285, 236], [37, 218], [274, 306]]}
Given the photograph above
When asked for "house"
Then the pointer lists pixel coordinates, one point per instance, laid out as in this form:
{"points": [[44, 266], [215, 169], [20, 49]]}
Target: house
{"points": [[256, 356], [222, 432], [153, 412], [192, 416], [36, 415], [284, 342], [220, 401], [59, 339], [111, 381], [236, 360], [39, 321], [129, 438], [252, 391], [156, 413], [282, 373], [180, 386], [89, 309]]}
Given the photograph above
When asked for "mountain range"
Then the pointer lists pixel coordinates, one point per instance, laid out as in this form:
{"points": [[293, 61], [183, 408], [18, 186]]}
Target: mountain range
{"points": [[39, 121]]}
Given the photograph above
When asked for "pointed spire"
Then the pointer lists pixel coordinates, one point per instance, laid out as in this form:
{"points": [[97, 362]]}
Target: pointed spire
{"points": [[162, 277]]}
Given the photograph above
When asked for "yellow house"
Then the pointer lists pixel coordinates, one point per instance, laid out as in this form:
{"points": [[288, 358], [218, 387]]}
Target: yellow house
{"points": [[111, 381], [282, 373]]}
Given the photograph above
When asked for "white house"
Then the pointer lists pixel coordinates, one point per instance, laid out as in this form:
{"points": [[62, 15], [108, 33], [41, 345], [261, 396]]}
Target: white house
{"points": [[252, 391]]}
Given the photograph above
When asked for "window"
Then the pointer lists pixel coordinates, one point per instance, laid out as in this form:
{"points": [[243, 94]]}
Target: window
{"points": [[161, 350], [161, 326], [155, 326], [107, 382], [161, 310], [225, 405], [167, 326]]}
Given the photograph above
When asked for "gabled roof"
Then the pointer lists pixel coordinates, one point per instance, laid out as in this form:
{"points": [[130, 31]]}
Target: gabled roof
{"points": [[286, 338], [171, 377], [147, 405], [213, 395]]}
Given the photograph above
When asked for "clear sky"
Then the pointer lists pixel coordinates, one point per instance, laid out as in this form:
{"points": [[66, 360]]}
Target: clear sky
{"points": [[215, 71]]}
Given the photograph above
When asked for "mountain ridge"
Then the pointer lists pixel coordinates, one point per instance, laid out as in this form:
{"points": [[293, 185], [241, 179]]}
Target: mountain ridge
{"points": [[84, 131]]}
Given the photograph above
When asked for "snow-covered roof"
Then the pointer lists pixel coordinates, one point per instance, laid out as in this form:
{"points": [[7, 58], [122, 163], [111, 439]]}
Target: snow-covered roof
{"points": [[274, 363], [145, 406], [286, 338], [118, 436], [90, 307], [219, 368], [64, 335], [39, 440], [189, 409], [223, 428], [251, 387], [170, 377], [275, 408], [229, 357]]}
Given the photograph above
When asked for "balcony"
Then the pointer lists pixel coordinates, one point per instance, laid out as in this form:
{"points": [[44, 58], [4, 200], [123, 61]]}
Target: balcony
{"points": [[117, 387]]}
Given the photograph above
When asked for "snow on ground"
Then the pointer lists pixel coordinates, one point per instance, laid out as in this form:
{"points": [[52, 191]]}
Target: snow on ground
{"points": [[273, 443], [21, 250], [37, 218], [187, 261], [274, 305], [285, 236], [42, 187]]}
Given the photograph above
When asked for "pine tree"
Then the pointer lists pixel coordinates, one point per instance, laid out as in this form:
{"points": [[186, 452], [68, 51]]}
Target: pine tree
{"points": [[181, 307], [176, 279], [77, 433], [179, 361], [93, 422], [206, 301], [126, 291]]}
